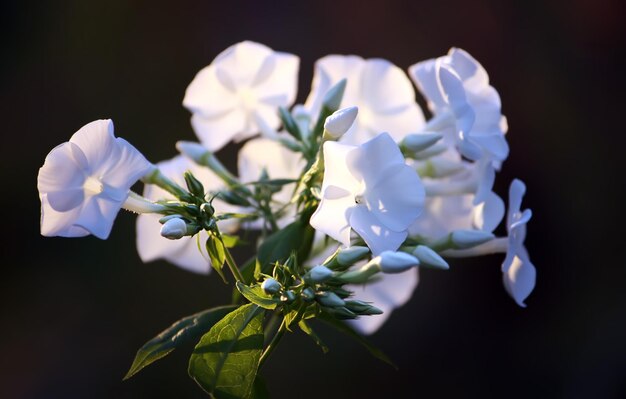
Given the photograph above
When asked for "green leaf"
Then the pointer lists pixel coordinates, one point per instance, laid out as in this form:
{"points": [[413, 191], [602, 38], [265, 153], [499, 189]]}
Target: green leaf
{"points": [[257, 296], [215, 248], [297, 236], [230, 241], [346, 329], [225, 361], [304, 326], [184, 330]]}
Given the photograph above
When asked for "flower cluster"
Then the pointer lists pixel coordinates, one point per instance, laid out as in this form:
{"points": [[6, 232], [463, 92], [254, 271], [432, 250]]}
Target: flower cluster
{"points": [[350, 194]]}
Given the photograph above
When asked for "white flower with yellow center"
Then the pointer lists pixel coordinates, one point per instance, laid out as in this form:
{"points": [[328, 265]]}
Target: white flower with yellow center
{"points": [[240, 93], [84, 182]]}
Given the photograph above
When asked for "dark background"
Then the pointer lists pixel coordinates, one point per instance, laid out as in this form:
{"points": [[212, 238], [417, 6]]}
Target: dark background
{"points": [[74, 311]]}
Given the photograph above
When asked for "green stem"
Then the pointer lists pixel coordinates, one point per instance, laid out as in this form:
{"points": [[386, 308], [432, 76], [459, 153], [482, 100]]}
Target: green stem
{"points": [[230, 261], [274, 343]]}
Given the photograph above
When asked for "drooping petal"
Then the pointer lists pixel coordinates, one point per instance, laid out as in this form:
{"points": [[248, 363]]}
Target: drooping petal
{"points": [[391, 292], [516, 193], [519, 278], [489, 213], [377, 236]]}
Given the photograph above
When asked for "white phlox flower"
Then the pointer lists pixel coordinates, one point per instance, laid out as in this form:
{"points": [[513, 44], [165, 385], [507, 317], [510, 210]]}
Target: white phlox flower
{"points": [[518, 272], [371, 190], [239, 93], [382, 92], [183, 252], [464, 104], [84, 182]]}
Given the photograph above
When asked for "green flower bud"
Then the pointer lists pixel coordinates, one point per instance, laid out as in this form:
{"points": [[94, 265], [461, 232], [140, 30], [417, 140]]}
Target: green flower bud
{"points": [[194, 185], [351, 255], [319, 274], [330, 299]]}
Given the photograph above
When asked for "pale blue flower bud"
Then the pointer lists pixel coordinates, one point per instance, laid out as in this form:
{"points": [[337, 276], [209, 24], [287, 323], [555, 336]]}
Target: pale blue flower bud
{"points": [[340, 121], [396, 262], [470, 238], [420, 141], [174, 229], [270, 286], [319, 274], [308, 294], [430, 258]]}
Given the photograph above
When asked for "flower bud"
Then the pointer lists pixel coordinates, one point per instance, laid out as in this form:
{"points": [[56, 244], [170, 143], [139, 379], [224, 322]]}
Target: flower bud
{"points": [[342, 313], [308, 294], [416, 142], [194, 151], [340, 121], [334, 95], [174, 229], [351, 255], [396, 262], [362, 308], [430, 258], [270, 286], [193, 184], [319, 274], [288, 296], [330, 299], [462, 239]]}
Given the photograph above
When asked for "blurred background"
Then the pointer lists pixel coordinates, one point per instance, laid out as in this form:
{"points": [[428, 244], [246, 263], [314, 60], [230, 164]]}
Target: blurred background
{"points": [[74, 311]]}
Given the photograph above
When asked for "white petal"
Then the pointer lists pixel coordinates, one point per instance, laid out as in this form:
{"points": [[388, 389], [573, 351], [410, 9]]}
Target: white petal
{"points": [[425, 77], [385, 87], [330, 70], [63, 169], [336, 171], [183, 253], [96, 141], [369, 161], [489, 214], [397, 199], [454, 93], [441, 215], [208, 96], [332, 217], [519, 278], [377, 236], [243, 62], [279, 80], [97, 216], [60, 224], [516, 193], [473, 74], [392, 291], [129, 166], [214, 133]]}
